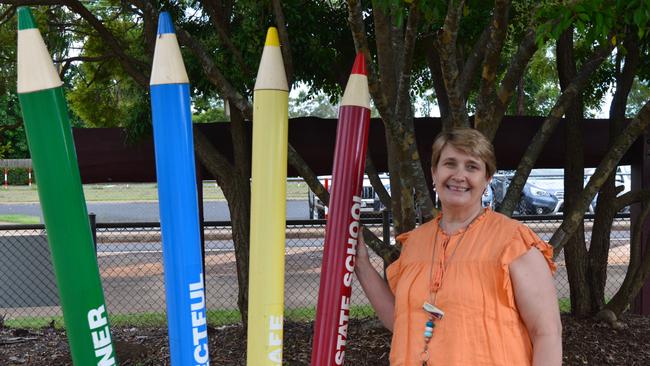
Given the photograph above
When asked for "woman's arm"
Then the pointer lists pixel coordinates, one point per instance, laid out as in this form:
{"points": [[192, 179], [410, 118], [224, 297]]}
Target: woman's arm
{"points": [[536, 300], [376, 289]]}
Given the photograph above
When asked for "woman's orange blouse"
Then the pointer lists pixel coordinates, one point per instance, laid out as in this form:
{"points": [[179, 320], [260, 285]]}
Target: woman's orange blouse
{"points": [[471, 282]]}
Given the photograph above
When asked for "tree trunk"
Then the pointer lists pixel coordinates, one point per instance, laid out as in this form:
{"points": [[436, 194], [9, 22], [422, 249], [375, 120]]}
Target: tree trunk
{"points": [[235, 184], [600, 244], [630, 133], [607, 196], [606, 206], [575, 252], [239, 199], [637, 271], [521, 98]]}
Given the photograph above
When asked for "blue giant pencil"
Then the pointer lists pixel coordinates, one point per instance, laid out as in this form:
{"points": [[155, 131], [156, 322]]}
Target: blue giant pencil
{"points": [[174, 144]]}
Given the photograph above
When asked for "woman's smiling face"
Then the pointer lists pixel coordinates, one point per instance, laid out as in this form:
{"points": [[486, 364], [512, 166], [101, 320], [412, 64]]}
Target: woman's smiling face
{"points": [[460, 179]]}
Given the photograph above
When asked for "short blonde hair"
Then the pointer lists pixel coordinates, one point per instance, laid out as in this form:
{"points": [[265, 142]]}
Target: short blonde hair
{"points": [[469, 141]]}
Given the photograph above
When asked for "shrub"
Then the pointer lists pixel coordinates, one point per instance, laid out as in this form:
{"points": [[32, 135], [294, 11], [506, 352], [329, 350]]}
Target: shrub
{"points": [[17, 176]]}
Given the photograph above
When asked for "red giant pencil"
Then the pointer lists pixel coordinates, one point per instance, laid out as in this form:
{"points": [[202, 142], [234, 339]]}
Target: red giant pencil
{"points": [[342, 230]]}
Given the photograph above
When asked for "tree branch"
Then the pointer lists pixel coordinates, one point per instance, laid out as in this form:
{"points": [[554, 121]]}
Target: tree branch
{"points": [[544, 133], [637, 270], [284, 40], [13, 126], [8, 14], [211, 158], [387, 62], [630, 198], [241, 143], [625, 78], [128, 63], [213, 8], [433, 61], [376, 182], [66, 62], [386, 251], [473, 62], [515, 72], [446, 44], [404, 113], [214, 74], [485, 106], [358, 29], [609, 162], [404, 79], [303, 169]]}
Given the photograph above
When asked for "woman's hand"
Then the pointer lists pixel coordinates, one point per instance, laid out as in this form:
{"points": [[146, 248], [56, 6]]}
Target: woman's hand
{"points": [[363, 257]]}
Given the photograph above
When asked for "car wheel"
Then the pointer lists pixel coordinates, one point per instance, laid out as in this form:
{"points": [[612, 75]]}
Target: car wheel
{"points": [[321, 214], [539, 210]]}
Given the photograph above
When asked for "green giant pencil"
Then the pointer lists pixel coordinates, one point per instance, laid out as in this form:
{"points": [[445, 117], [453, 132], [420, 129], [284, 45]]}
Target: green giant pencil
{"points": [[49, 136]]}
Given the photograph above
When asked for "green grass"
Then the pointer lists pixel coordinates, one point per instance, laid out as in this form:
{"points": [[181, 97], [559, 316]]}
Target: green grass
{"points": [[215, 318], [296, 190], [565, 305], [20, 219], [309, 313]]}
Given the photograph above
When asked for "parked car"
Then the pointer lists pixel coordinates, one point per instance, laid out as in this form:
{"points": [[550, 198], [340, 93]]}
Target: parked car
{"points": [[537, 201], [370, 202], [534, 200], [552, 182]]}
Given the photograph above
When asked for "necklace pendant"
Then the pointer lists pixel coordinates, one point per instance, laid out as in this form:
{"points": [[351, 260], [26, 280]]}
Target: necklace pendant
{"points": [[435, 311]]}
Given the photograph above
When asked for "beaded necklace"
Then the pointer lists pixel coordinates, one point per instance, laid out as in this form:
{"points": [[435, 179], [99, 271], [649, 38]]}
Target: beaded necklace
{"points": [[435, 313]]}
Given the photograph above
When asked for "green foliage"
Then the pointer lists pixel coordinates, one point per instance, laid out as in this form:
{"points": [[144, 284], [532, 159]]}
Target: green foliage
{"points": [[596, 19], [639, 95], [324, 52], [310, 103], [13, 142], [210, 115], [541, 88], [208, 110], [102, 94], [18, 176]]}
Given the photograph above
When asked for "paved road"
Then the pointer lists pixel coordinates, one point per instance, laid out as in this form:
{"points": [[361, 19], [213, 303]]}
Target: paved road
{"points": [[148, 211]]}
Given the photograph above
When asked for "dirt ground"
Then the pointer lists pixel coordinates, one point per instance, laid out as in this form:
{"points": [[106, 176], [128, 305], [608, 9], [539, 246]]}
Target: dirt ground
{"points": [[586, 342]]}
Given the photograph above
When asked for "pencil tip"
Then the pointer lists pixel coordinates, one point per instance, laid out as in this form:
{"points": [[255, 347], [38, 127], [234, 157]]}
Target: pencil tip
{"points": [[25, 18], [272, 37], [165, 23], [359, 66]]}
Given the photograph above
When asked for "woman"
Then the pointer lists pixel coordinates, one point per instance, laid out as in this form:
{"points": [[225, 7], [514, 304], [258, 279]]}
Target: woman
{"points": [[471, 287]]}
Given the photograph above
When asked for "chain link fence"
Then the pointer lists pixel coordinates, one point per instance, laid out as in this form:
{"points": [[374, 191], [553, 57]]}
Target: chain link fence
{"points": [[130, 263]]}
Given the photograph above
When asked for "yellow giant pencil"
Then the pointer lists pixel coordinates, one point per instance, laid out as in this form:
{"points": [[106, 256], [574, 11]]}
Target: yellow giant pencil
{"points": [[268, 207]]}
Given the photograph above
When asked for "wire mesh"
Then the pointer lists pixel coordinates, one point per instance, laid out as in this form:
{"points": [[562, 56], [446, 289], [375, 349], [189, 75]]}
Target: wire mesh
{"points": [[130, 262]]}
